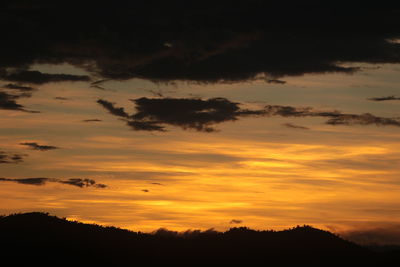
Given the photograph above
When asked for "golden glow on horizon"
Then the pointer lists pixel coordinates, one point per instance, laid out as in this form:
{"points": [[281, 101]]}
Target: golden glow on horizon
{"points": [[267, 176]]}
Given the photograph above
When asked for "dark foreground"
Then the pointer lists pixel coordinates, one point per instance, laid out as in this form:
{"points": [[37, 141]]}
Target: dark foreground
{"points": [[37, 238]]}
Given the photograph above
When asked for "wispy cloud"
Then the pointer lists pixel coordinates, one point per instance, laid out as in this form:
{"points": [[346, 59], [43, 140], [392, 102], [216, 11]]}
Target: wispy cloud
{"points": [[6, 157], [294, 126], [335, 117], [36, 146], [78, 182], [18, 87], [275, 81], [61, 98], [384, 98], [91, 120], [37, 77], [109, 106]]}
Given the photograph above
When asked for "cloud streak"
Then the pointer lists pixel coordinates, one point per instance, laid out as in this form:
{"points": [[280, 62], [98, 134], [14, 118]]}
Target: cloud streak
{"points": [[61, 98], [335, 117], [23, 88], [294, 126], [6, 157], [91, 120], [78, 182], [384, 98], [37, 77], [36, 146], [110, 107], [276, 81], [153, 114]]}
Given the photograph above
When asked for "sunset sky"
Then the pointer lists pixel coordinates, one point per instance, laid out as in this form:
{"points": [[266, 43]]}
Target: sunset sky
{"points": [[206, 125]]}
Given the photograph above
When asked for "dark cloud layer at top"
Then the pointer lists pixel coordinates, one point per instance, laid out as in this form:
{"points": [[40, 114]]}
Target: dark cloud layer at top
{"points": [[36, 146], [79, 182], [202, 41]]}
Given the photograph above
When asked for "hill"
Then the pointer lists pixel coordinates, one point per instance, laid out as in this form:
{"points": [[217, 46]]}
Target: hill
{"points": [[38, 238]]}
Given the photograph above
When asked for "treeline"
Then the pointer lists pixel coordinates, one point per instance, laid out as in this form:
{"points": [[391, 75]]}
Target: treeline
{"points": [[38, 238]]}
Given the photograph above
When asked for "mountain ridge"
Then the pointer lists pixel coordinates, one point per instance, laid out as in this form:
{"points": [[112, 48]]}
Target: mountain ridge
{"points": [[48, 239]]}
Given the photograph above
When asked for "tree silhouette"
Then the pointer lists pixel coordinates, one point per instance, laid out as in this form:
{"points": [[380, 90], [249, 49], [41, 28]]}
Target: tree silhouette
{"points": [[39, 238]]}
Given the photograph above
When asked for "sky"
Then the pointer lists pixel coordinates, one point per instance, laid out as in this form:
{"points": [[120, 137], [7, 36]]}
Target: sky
{"points": [[203, 117]]}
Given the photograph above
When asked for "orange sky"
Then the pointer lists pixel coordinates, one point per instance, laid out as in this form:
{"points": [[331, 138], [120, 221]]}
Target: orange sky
{"points": [[254, 169]]}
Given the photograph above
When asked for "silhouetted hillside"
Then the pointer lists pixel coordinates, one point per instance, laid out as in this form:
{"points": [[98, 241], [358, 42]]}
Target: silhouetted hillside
{"points": [[47, 240]]}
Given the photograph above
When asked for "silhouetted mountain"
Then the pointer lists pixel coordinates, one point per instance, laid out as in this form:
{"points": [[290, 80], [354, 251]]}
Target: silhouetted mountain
{"points": [[38, 238]]}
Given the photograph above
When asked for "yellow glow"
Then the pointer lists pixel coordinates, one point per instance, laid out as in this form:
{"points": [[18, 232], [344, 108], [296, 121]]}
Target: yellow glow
{"points": [[267, 176]]}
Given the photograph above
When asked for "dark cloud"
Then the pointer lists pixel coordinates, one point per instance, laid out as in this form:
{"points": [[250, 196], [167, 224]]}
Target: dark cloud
{"points": [[36, 146], [202, 41], [79, 182], [8, 101], [6, 157], [24, 88], [82, 182], [157, 183], [30, 181], [98, 85], [120, 112], [145, 190], [188, 113], [37, 77], [335, 117], [61, 98], [294, 126], [146, 126], [152, 114], [385, 98], [10, 93], [235, 221], [363, 119], [289, 111], [91, 120]]}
